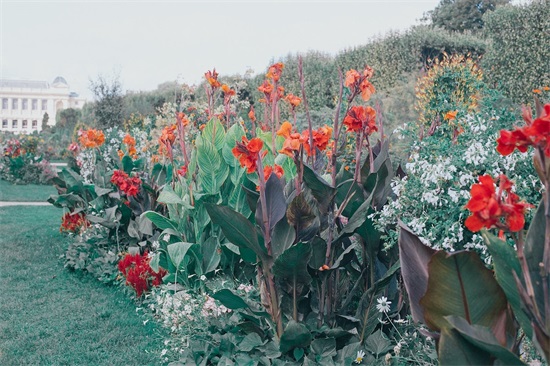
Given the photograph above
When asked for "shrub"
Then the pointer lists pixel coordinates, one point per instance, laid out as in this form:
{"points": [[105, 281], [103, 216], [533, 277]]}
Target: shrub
{"points": [[517, 58], [450, 86]]}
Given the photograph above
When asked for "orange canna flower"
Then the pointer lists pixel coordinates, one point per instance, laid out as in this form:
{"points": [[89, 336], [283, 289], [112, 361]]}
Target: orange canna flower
{"points": [[182, 118], [248, 152], [537, 91], [352, 77], [266, 88], [168, 136], [227, 90], [545, 88], [274, 72], [285, 130], [292, 144], [212, 78], [91, 138], [293, 100], [251, 114], [450, 116], [129, 140], [367, 90], [368, 72]]}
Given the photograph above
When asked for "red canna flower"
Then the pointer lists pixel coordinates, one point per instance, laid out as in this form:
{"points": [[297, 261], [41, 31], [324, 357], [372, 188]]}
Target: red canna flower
{"points": [[536, 133], [359, 118], [248, 152], [139, 274], [268, 169], [128, 185], [490, 208], [321, 137], [182, 171], [74, 222]]}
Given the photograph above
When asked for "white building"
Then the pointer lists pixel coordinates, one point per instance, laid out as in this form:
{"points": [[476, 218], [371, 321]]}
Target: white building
{"points": [[24, 102]]}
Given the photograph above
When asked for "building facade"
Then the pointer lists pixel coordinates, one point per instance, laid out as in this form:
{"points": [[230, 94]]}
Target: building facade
{"points": [[24, 103]]}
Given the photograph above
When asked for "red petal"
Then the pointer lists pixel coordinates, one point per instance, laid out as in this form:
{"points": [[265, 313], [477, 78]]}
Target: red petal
{"points": [[474, 223]]}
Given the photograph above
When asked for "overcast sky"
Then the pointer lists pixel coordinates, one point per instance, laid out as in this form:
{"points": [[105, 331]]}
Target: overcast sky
{"points": [[150, 42]]}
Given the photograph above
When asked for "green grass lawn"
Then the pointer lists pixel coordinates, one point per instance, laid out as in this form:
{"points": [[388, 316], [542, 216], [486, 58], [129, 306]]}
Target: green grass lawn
{"points": [[27, 193], [52, 316]]}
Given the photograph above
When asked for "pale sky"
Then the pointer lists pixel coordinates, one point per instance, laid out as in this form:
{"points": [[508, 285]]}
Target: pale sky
{"points": [[150, 42]]}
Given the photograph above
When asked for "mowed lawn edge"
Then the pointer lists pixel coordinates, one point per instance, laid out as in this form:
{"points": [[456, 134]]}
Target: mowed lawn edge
{"points": [[52, 316], [25, 192]]}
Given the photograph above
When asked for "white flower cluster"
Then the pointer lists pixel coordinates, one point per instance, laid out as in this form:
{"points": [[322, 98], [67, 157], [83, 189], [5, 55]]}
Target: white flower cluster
{"points": [[441, 180]]}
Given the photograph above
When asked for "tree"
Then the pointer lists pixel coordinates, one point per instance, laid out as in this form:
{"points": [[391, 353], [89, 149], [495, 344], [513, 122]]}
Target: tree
{"points": [[45, 120], [109, 105], [462, 15], [67, 119]]}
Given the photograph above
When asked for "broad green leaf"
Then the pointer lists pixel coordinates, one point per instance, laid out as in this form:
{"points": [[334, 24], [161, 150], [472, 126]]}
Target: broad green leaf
{"points": [[534, 252], [302, 217], [177, 252], [127, 164], [292, 264], [324, 347], [230, 300], [460, 284], [102, 191], [378, 344], [358, 218], [212, 169], [237, 201], [169, 196], [483, 338], [160, 221], [295, 335], [211, 254], [414, 258], [234, 134], [251, 341], [456, 350], [318, 252], [275, 202], [155, 262], [214, 133], [321, 190], [282, 238], [506, 263], [236, 228]]}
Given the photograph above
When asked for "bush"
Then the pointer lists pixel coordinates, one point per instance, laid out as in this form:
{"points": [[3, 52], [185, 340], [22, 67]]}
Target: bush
{"points": [[450, 85], [517, 58], [440, 172], [22, 162]]}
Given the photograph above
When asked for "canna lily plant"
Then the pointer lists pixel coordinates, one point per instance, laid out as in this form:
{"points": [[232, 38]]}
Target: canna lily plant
{"points": [[317, 255], [472, 311]]}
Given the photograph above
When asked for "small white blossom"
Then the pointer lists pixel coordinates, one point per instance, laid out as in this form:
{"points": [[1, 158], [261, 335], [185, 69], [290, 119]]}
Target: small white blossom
{"points": [[383, 305], [360, 355]]}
